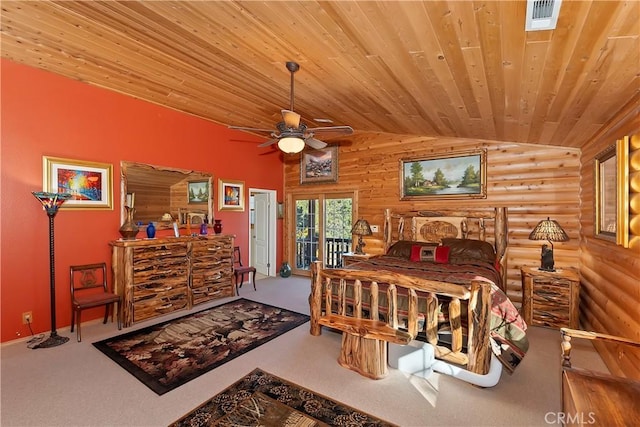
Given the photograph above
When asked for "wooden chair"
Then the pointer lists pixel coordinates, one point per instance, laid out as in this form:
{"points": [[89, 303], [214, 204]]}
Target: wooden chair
{"points": [[89, 290], [239, 270], [596, 398]]}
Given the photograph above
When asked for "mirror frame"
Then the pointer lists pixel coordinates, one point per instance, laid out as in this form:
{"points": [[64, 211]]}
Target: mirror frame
{"points": [[184, 212], [618, 155]]}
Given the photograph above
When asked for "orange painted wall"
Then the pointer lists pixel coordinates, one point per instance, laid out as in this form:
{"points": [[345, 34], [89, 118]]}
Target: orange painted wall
{"points": [[45, 114]]}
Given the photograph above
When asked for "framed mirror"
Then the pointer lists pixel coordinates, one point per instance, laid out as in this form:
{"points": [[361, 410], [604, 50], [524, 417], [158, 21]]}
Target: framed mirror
{"points": [[164, 195], [611, 177]]}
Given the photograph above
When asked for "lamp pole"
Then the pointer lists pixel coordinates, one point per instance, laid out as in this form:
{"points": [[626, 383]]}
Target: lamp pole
{"points": [[51, 202]]}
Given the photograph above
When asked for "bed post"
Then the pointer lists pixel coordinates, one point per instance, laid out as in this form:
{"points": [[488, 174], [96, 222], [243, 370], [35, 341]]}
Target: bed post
{"points": [[478, 346], [501, 233], [315, 299]]}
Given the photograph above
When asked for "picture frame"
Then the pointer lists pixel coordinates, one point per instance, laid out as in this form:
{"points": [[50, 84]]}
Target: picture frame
{"points": [[230, 195], [89, 183], [319, 166], [198, 192], [458, 175]]}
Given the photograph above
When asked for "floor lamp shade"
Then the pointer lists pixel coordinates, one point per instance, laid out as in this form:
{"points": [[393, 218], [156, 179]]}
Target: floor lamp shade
{"points": [[51, 202]]}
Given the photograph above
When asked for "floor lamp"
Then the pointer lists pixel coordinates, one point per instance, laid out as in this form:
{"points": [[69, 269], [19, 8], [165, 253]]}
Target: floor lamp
{"points": [[51, 202]]}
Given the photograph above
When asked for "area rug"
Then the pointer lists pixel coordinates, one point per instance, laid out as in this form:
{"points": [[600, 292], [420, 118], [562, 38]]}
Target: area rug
{"points": [[169, 354], [263, 399]]}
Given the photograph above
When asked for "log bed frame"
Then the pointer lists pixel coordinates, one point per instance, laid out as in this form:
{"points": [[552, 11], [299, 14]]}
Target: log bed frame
{"points": [[365, 337]]}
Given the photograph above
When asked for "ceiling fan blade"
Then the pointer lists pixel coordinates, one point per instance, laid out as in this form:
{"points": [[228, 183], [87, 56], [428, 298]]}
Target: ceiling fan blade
{"points": [[248, 129], [341, 130], [315, 143], [268, 143], [291, 119]]}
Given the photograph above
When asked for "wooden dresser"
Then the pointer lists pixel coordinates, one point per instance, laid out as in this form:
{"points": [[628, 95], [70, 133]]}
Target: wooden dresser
{"points": [[550, 298], [159, 276]]}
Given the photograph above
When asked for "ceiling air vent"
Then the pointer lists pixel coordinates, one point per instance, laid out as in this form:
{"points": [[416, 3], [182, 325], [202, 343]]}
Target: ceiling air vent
{"points": [[542, 14]]}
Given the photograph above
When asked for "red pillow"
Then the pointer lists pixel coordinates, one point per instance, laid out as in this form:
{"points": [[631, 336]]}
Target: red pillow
{"points": [[415, 253], [442, 254]]}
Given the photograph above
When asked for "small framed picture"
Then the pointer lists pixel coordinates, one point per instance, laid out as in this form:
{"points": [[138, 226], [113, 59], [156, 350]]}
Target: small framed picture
{"points": [[198, 192], [319, 166], [230, 195], [89, 183]]}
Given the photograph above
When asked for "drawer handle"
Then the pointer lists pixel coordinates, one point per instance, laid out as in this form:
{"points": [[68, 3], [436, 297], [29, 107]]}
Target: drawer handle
{"points": [[168, 288], [162, 307]]}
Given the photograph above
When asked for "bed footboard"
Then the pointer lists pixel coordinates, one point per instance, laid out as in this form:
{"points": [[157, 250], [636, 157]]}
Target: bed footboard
{"points": [[372, 308]]}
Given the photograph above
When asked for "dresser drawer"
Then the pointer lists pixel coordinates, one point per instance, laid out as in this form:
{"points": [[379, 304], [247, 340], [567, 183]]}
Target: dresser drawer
{"points": [[156, 299]]}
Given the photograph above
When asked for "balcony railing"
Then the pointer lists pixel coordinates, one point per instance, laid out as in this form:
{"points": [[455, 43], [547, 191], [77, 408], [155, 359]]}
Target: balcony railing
{"points": [[307, 252]]}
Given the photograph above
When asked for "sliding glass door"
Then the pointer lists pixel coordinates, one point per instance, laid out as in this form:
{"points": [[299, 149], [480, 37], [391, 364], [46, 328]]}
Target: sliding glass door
{"points": [[321, 230]]}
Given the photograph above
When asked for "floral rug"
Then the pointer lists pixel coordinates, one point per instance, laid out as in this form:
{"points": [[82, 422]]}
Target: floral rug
{"points": [[169, 354], [262, 399]]}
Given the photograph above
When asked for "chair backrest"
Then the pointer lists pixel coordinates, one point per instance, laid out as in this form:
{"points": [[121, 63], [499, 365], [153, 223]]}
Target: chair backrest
{"points": [[88, 276], [237, 258]]}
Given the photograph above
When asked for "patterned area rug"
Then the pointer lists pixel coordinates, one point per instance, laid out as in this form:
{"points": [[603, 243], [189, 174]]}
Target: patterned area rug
{"points": [[262, 399], [167, 355]]}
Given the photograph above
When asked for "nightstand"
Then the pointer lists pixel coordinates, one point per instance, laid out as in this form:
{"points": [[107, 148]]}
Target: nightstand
{"points": [[550, 298], [350, 258]]}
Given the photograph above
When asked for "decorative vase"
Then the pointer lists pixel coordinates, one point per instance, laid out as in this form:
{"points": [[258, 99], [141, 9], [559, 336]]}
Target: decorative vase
{"points": [[129, 230], [203, 228], [285, 270], [151, 231], [217, 226]]}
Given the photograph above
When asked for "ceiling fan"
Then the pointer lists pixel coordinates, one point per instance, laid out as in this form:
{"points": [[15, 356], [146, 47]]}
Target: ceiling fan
{"points": [[291, 134]]}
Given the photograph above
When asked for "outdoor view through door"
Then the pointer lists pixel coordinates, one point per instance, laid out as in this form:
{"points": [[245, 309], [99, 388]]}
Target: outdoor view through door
{"points": [[322, 230]]}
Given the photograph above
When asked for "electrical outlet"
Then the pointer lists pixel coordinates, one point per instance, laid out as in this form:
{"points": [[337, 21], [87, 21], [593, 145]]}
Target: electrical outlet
{"points": [[374, 228], [27, 318]]}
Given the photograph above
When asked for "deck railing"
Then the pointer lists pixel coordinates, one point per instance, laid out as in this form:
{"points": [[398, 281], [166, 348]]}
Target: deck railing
{"points": [[307, 252]]}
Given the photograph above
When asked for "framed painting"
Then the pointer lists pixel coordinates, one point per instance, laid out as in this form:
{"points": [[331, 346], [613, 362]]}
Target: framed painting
{"points": [[89, 183], [198, 192], [319, 166], [447, 176], [230, 195]]}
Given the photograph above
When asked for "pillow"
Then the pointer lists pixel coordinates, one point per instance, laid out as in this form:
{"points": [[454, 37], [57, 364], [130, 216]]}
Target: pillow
{"points": [[423, 252], [462, 250], [442, 254], [402, 248]]}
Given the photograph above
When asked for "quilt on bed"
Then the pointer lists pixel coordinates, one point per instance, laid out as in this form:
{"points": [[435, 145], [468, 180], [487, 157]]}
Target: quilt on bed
{"points": [[507, 336]]}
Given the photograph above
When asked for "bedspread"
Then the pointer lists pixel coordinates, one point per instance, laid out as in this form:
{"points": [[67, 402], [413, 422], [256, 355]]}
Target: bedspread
{"points": [[507, 330]]}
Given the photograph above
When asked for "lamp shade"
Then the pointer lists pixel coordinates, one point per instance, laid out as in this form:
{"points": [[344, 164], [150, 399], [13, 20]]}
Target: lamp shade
{"points": [[361, 228], [548, 229], [291, 145]]}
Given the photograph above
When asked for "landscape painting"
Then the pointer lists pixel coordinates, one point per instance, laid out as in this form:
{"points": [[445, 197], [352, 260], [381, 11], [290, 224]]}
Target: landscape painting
{"points": [[318, 166], [454, 175]]}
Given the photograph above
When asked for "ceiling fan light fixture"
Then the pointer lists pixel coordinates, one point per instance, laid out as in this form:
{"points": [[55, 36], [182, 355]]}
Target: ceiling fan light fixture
{"points": [[291, 144]]}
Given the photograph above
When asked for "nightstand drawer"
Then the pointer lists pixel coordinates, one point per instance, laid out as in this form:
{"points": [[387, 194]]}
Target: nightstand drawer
{"points": [[550, 298]]}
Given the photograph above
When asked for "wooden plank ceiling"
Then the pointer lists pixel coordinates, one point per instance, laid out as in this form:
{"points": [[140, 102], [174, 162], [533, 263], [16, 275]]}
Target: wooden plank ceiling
{"points": [[436, 68]]}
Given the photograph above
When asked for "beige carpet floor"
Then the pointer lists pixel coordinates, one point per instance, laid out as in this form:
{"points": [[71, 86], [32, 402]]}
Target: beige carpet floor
{"points": [[76, 385]]}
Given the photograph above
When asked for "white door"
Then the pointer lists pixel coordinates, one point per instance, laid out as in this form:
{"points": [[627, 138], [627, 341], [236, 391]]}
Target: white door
{"points": [[261, 233]]}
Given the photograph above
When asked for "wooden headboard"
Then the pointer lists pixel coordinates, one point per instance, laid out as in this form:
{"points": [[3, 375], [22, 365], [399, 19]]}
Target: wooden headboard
{"points": [[431, 226]]}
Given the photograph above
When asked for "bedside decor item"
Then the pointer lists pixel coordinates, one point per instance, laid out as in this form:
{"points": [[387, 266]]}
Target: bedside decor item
{"points": [[129, 230], [551, 231], [87, 183], [51, 202], [361, 228], [231, 195], [447, 176]]}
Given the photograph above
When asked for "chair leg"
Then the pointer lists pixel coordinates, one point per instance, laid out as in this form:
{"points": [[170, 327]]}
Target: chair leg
{"points": [[78, 333], [118, 305], [106, 314], [254, 280], [73, 318]]}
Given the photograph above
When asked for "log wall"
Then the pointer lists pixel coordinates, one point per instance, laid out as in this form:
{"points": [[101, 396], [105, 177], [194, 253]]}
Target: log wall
{"points": [[610, 295], [532, 181]]}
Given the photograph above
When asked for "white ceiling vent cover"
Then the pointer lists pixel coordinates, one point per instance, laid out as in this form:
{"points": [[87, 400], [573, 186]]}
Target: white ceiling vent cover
{"points": [[542, 14]]}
